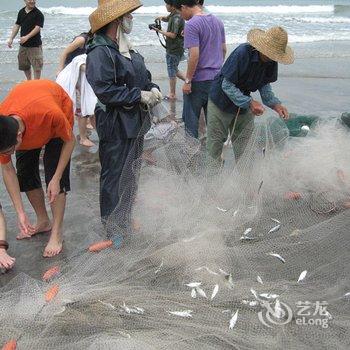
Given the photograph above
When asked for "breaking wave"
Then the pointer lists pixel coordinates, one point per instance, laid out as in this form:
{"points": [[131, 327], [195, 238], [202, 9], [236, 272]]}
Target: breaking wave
{"points": [[228, 10]]}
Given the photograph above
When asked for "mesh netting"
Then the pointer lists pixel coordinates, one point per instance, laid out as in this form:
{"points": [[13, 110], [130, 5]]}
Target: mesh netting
{"points": [[213, 258]]}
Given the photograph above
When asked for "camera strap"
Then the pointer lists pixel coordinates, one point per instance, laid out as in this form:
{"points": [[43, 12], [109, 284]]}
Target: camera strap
{"points": [[160, 40]]}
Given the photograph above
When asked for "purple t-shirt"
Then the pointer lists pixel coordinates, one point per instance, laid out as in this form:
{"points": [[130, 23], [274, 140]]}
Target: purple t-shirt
{"points": [[208, 33]]}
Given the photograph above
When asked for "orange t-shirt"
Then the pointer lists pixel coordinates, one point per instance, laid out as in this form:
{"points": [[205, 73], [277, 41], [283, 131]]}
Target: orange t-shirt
{"points": [[45, 109]]}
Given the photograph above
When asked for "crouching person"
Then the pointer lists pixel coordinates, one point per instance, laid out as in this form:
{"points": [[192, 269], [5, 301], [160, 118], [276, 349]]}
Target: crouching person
{"points": [[122, 84], [231, 110], [36, 114]]}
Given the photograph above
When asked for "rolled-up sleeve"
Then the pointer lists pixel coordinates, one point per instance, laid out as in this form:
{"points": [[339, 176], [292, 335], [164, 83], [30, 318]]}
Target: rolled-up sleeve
{"points": [[268, 97], [102, 75], [235, 94]]}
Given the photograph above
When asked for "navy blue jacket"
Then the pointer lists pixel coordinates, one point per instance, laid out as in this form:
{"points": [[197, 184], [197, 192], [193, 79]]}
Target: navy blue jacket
{"points": [[246, 71], [117, 82]]}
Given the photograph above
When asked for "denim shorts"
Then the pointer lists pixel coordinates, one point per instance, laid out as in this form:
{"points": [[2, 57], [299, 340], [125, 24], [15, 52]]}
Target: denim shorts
{"points": [[172, 62]]}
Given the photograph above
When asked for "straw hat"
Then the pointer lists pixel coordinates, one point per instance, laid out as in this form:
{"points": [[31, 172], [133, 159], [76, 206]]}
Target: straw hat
{"points": [[109, 10], [272, 43]]}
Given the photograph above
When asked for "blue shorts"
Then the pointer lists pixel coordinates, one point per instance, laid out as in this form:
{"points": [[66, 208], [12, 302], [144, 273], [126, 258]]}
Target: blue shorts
{"points": [[172, 62]]}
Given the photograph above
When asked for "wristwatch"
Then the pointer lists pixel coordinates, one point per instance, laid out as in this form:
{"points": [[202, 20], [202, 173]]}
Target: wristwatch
{"points": [[187, 81]]}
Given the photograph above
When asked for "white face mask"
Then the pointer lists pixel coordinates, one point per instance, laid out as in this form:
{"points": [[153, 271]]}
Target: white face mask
{"points": [[127, 25]]}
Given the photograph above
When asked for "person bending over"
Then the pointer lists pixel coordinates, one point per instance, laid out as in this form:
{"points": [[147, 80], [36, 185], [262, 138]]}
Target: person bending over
{"points": [[35, 114], [251, 67]]}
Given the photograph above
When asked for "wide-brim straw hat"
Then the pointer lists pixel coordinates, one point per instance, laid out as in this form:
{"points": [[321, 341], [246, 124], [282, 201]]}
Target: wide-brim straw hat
{"points": [[109, 10], [272, 43]]}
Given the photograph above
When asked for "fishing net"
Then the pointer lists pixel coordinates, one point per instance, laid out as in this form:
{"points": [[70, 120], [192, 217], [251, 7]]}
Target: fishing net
{"points": [[252, 256]]}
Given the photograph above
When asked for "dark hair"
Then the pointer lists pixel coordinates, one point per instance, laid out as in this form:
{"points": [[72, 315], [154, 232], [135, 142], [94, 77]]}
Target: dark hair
{"points": [[8, 132], [103, 30], [200, 2], [189, 3], [170, 2]]}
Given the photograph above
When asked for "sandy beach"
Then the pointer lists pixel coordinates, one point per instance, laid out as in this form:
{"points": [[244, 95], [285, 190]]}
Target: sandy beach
{"points": [[189, 229], [313, 85]]}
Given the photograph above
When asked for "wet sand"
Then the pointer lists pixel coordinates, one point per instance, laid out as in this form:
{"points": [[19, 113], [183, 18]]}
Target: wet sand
{"points": [[313, 85]]}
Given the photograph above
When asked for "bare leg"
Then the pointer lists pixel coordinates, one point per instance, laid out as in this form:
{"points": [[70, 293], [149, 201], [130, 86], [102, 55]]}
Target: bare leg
{"points": [[37, 200], [54, 246], [84, 140], [172, 94], [37, 74], [6, 261], [93, 121], [28, 74]]}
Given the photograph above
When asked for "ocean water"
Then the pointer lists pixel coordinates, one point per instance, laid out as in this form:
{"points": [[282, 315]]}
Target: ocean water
{"points": [[305, 20]]}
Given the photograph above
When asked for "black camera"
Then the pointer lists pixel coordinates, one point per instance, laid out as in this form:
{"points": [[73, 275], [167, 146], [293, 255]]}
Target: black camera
{"points": [[156, 25]]}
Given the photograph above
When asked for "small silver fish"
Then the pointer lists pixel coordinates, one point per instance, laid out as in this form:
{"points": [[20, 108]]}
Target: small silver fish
{"points": [[226, 311], [223, 272], [215, 291], [185, 313], [125, 335], [160, 266], [278, 310], [278, 257], [229, 280], [222, 210], [140, 310], [275, 229], [201, 292], [108, 305], [193, 293], [347, 294], [253, 303], [235, 212], [253, 291], [233, 320], [302, 276], [246, 238], [276, 221], [248, 230], [207, 269], [193, 284], [259, 279], [125, 308], [268, 296]]}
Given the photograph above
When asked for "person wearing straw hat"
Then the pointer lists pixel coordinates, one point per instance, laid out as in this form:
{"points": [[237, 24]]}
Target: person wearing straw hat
{"points": [[251, 66], [122, 84]]}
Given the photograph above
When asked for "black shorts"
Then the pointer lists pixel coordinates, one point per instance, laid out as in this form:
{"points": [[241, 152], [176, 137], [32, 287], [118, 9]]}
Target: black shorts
{"points": [[27, 164]]}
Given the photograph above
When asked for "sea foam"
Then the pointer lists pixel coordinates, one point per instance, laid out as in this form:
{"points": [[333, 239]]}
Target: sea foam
{"points": [[227, 10]]}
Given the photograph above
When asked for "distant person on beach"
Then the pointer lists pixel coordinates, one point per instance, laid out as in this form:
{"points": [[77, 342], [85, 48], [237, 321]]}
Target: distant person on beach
{"points": [[250, 67], [122, 84], [30, 20], [35, 114], [6, 261], [77, 48], [205, 39], [174, 45]]}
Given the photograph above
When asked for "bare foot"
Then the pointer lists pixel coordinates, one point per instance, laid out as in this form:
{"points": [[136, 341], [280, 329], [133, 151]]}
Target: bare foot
{"points": [[40, 227], [53, 247], [6, 261], [86, 143]]}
